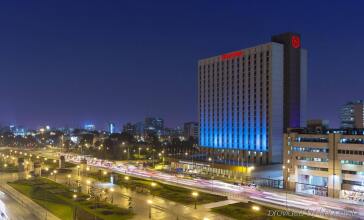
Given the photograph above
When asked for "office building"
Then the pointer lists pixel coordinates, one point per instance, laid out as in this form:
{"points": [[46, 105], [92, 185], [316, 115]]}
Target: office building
{"points": [[351, 115], [89, 127], [190, 129], [129, 128], [111, 128], [139, 128], [249, 97], [329, 163], [153, 125]]}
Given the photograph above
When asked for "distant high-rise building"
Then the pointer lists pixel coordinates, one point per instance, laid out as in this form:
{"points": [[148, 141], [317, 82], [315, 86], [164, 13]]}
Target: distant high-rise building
{"points": [[17, 131], [111, 128], [129, 128], [139, 128], [249, 97], [351, 114], [90, 127], [190, 129], [154, 125]]}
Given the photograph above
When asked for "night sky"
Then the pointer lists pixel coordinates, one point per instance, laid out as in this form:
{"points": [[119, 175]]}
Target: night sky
{"points": [[69, 62]]}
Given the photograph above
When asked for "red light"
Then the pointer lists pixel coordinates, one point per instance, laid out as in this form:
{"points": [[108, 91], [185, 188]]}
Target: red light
{"points": [[296, 42], [231, 55]]}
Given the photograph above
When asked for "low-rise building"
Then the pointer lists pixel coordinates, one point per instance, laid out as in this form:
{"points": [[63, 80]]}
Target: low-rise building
{"points": [[325, 162]]}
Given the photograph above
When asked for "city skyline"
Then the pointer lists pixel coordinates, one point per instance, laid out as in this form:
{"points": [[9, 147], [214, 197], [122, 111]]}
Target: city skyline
{"points": [[128, 62]]}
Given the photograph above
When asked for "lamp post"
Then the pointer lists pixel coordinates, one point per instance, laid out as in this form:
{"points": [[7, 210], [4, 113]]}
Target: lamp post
{"points": [[87, 169], [69, 179], [195, 195], [88, 182], [150, 202], [74, 196], [55, 175], [78, 170], [112, 195], [212, 170], [153, 184], [285, 184]]}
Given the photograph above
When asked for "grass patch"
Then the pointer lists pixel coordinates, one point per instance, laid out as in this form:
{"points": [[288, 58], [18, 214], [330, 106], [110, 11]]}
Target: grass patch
{"points": [[58, 199], [243, 211], [170, 192]]}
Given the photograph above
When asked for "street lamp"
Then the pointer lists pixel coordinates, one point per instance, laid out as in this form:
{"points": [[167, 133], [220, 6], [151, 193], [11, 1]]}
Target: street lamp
{"points": [[112, 195], [126, 178], [69, 179], [153, 184], [150, 202], [195, 195], [78, 170], [55, 175], [88, 182]]}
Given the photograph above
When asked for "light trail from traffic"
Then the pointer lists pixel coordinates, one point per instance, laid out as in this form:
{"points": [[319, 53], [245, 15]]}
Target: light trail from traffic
{"points": [[337, 208]]}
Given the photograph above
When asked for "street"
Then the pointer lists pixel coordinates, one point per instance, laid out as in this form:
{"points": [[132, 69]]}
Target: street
{"points": [[325, 207], [9, 208]]}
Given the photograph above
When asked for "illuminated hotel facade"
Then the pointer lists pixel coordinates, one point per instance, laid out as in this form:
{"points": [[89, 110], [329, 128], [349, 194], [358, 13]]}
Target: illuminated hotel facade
{"points": [[248, 98]]}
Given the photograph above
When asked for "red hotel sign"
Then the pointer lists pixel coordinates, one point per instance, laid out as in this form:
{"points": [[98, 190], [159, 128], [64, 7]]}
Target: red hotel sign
{"points": [[231, 55], [296, 41]]}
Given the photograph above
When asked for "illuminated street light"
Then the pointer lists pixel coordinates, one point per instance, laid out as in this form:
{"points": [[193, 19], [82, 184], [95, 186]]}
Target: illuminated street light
{"points": [[69, 179], [153, 184], [126, 178], [112, 195], [88, 182], [255, 208], [195, 195], [150, 202]]}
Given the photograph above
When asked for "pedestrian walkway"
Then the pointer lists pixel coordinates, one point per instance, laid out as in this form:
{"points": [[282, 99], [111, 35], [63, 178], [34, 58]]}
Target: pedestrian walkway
{"points": [[221, 203], [160, 209]]}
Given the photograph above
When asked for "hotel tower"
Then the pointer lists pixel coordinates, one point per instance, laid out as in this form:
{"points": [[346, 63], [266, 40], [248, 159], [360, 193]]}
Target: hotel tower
{"points": [[249, 97]]}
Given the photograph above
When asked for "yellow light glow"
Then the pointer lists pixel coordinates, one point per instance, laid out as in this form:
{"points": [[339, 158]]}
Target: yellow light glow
{"points": [[255, 208]]}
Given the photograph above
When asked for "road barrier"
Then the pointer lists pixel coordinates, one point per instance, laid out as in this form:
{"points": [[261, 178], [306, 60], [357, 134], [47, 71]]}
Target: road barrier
{"points": [[37, 210]]}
